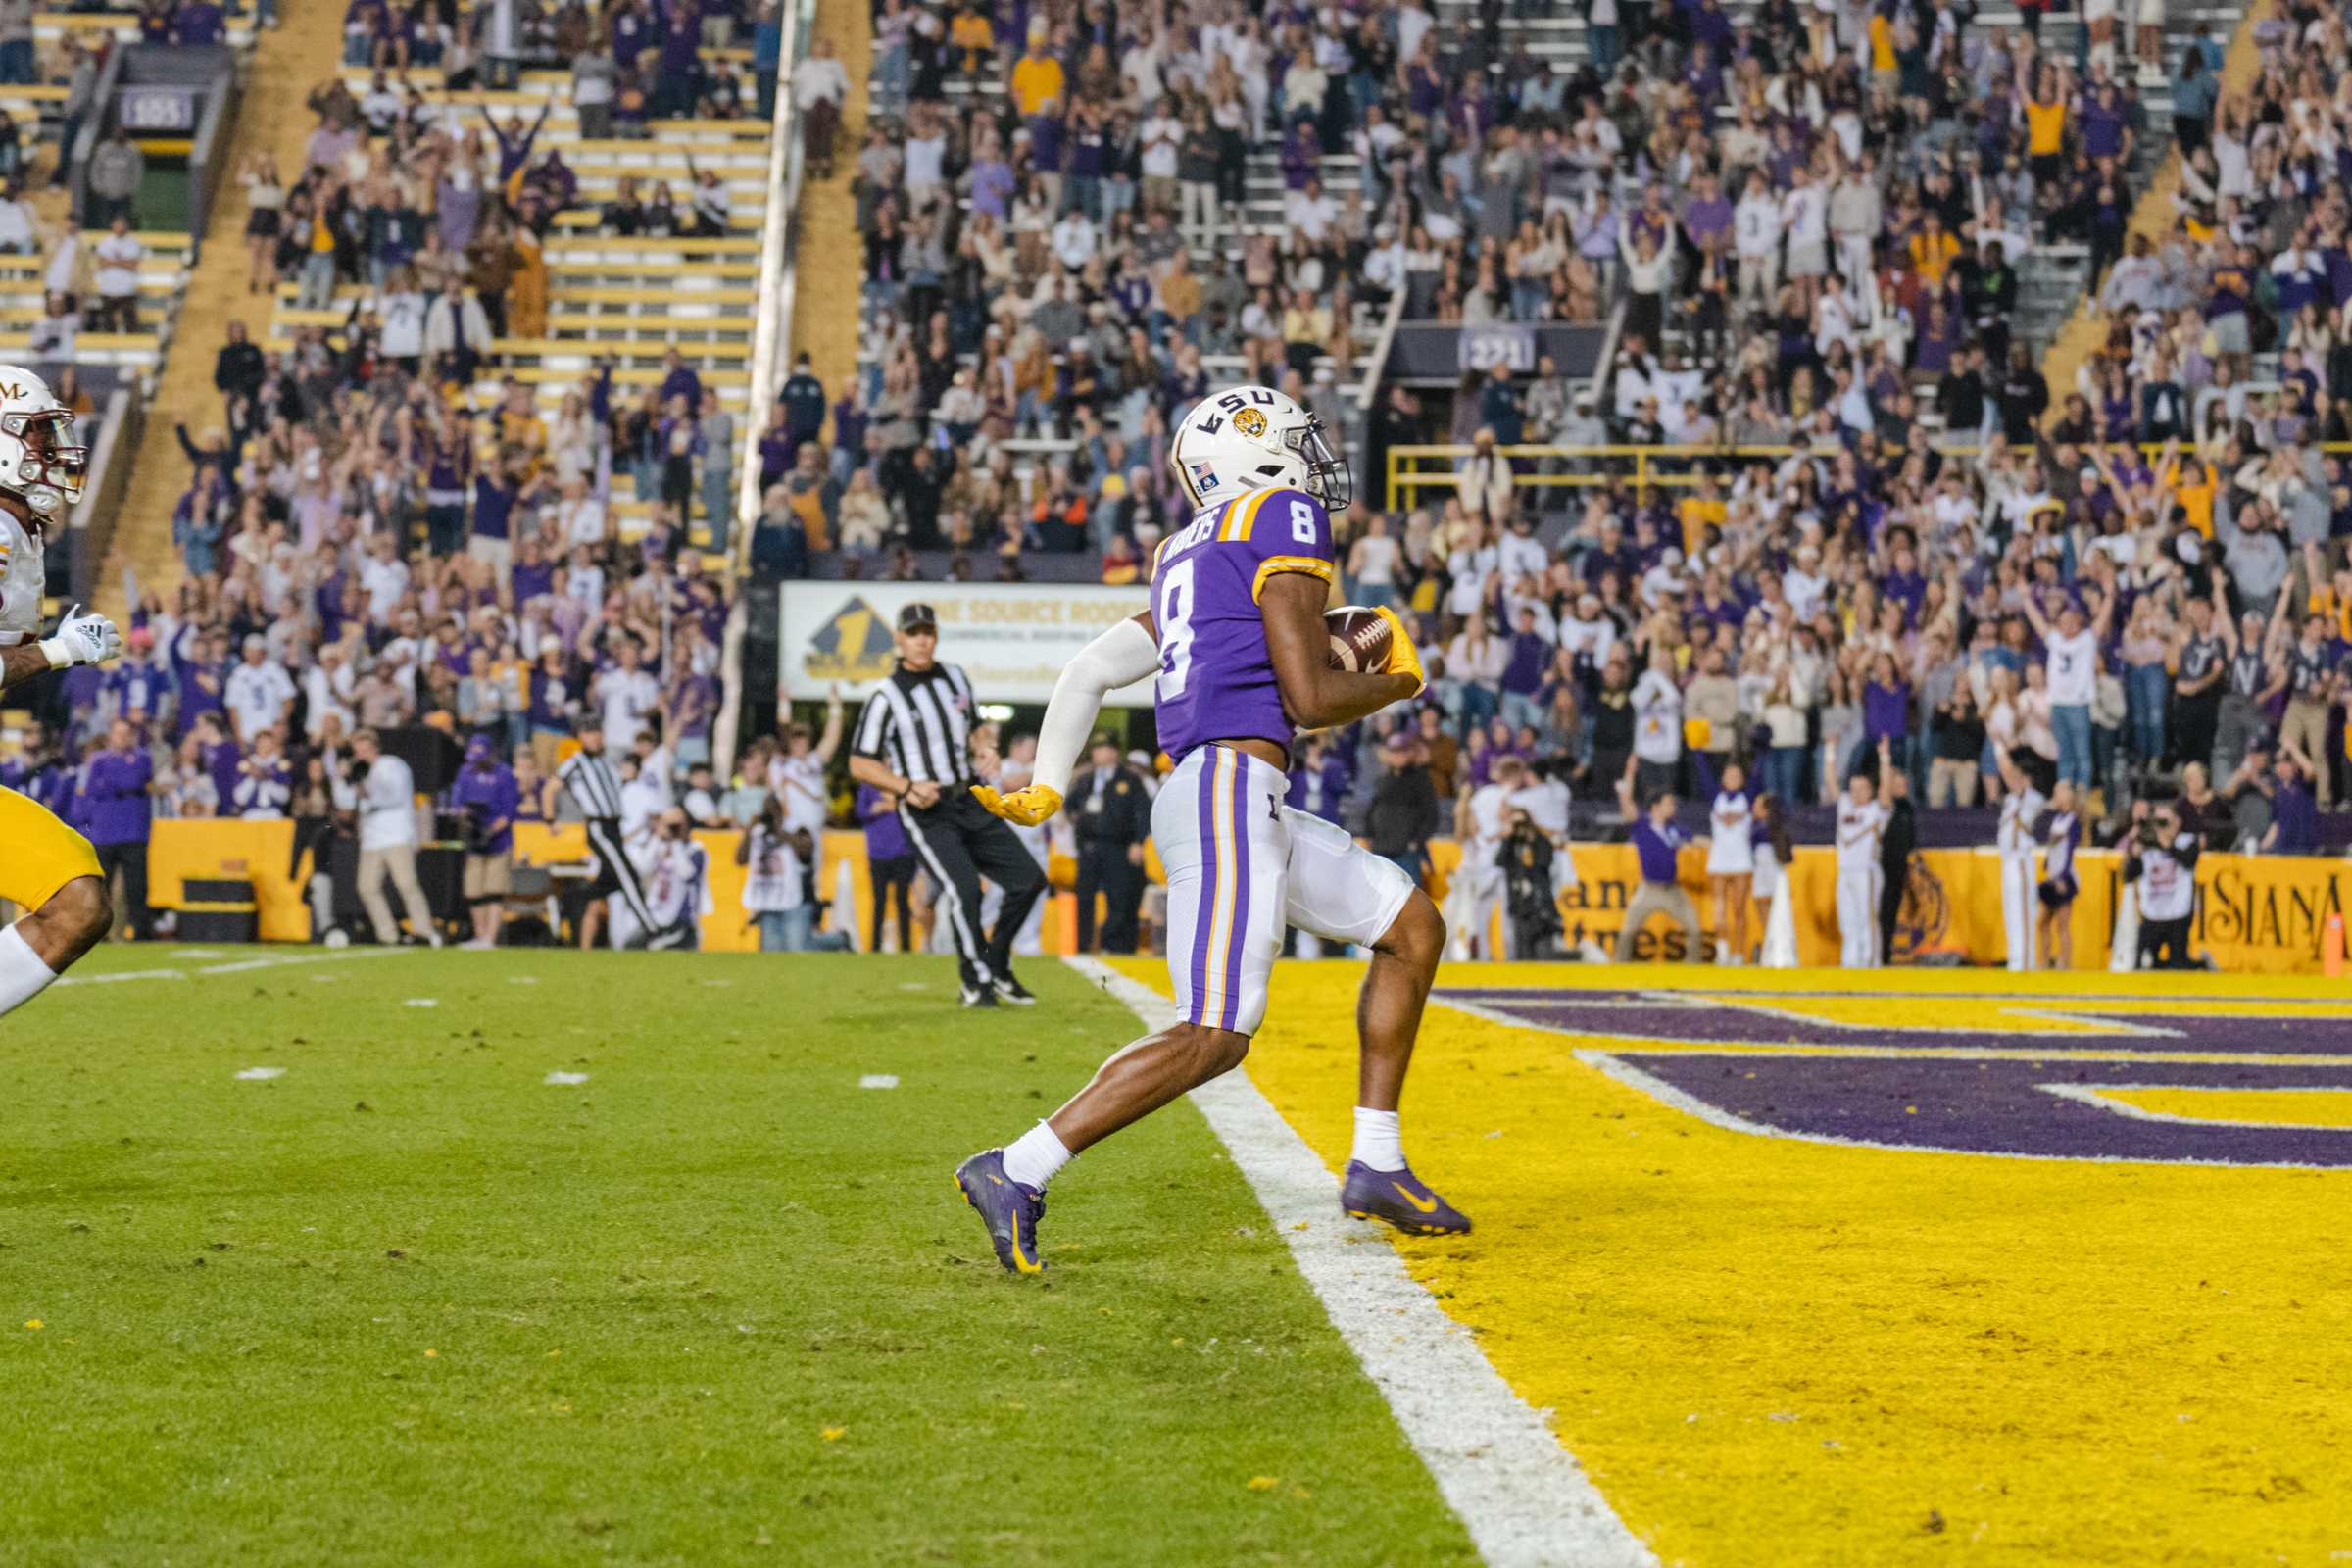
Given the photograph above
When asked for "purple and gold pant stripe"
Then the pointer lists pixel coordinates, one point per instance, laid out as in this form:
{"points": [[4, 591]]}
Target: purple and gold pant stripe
{"points": [[1220, 931]]}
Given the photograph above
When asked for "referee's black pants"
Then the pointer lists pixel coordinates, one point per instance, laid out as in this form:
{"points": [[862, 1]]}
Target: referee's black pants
{"points": [[616, 875], [959, 843]]}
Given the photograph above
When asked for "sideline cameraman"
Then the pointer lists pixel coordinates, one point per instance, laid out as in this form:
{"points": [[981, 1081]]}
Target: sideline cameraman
{"points": [[2162, 859], [487, 794], [381, 791], [1526, 859], [677, 887]]}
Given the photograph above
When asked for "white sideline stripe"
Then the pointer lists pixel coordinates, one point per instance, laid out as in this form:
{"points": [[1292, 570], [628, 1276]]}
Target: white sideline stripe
{"points": [[241, 967], [1524, 1498]]}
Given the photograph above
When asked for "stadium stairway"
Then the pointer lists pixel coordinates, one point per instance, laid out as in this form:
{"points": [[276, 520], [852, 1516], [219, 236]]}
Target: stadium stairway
{"points": [[627, 300], [285, 63], [828, 278], [2085, 327]]}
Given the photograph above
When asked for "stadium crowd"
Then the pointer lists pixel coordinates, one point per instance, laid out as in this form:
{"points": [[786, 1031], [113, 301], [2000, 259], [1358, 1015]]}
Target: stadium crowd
{"points": [[1814, 221], [367, 543], [1810, 220]]}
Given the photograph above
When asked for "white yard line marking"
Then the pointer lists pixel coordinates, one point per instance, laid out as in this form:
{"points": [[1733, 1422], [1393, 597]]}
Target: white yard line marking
{"points": [[878, 1080], [241, 967], [345, 957], [263, 1072], [1525, 1501], [120, 976], [564, 1080]]}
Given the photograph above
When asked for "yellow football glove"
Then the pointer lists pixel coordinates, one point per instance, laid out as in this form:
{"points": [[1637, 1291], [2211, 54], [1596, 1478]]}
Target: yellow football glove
{"points": [[1026, 806], [1403, 658]]}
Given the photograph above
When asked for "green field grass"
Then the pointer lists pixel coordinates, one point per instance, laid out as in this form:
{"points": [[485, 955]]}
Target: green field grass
{"points": [[409, 1302]]}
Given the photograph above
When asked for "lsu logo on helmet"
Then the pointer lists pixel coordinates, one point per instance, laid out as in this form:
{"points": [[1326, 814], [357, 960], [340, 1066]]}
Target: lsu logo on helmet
{"points": [[1251, 438]]}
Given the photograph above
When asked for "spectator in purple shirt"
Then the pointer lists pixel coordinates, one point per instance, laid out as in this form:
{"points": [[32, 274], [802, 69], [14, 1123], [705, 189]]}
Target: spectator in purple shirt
{"points": [[486, 794], [114, 811], [1886, 714], [1658, 845], [1319, 781], [217, 752], [197, 23], [1523, 672], [992, 182], [2105, 134], [891, 864], [678, 380]]}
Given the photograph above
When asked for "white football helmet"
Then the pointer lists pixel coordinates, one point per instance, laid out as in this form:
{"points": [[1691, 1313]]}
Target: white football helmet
{"points": [[37, 465], [1254, 438]]}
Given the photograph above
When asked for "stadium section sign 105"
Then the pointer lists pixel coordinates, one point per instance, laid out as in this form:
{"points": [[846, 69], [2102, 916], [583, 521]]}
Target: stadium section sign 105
{"points": [[1011, 638]]}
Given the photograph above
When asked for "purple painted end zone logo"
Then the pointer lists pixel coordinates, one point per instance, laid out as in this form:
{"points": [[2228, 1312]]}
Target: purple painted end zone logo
{"points": [[2004, 1075]]}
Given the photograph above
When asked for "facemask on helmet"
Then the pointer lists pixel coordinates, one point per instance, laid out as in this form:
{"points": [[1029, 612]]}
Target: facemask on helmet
{"points": [[1328, 478], [38, 464]]}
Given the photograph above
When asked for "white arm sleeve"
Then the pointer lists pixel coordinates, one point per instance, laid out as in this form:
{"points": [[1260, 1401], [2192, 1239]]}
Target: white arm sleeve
{"points": [[1120, 656]]}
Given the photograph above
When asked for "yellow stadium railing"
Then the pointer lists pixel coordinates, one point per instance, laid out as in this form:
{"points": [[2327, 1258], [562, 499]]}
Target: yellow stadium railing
{"points": [[1649, 466], [1663, 466]]}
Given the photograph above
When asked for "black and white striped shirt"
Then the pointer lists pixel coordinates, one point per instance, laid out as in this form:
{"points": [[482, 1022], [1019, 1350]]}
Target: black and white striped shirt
{"points": [[594, 787], [920, 725]]}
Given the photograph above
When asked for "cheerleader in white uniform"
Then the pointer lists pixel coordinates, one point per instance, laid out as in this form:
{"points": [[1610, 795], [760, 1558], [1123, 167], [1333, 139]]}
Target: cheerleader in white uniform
{"points": [[2021, 806], [1861, 823], [1732, 863], [2063, 835], [1768, 835]]}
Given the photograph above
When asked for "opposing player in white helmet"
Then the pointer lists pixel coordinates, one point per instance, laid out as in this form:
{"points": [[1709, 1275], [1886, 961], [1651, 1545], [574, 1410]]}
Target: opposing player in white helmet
{"points": [[45, 866]]}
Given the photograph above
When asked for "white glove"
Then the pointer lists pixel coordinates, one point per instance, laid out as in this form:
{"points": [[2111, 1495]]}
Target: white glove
{"points": [[82, 640]]}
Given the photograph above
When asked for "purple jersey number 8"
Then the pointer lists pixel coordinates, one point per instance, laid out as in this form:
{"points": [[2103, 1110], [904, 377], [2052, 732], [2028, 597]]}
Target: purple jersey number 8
{"points": [[1175, 618]]}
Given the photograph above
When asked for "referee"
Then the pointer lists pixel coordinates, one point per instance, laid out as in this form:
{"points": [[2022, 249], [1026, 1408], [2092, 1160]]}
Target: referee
{"points": [[595, 788], [913, 744]]}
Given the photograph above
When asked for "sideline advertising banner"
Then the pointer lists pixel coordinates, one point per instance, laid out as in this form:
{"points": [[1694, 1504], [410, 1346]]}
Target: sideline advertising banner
{"points": [[2256, 915], [1013, 639]]}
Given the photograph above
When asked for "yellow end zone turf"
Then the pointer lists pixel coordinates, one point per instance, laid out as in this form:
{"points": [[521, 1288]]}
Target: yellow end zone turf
{"points": [[1775, 1351]]}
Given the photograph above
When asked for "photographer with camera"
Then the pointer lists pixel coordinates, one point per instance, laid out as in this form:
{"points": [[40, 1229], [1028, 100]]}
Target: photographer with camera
{"points": [[381, 793], [775, 853], [2161, 860], [677, 888], [1526, 858], [487, 795]]}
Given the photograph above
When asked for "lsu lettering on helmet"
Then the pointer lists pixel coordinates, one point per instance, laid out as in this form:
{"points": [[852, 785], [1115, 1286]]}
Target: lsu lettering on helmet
{"points": [[1254, 438], [37, 464]]}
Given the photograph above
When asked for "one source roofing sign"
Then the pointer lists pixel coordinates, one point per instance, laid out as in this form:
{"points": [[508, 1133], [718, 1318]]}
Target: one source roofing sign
{"points": [[1011, 638]]}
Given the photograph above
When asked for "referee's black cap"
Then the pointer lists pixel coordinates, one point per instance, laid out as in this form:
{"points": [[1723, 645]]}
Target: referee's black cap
{"points": [[918, 616]]}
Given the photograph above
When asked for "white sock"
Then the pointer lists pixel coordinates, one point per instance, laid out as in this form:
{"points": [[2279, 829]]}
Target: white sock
{"points": [[1378, 1140], [22, 974], [1033, 1158]]}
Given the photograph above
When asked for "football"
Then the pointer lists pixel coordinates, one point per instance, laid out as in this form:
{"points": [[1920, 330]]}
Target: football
{"points": [[1360, 638]]}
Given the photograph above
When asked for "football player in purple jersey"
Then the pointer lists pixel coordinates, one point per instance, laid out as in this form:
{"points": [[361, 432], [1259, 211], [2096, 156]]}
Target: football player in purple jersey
{"points": [[1236, 639]]}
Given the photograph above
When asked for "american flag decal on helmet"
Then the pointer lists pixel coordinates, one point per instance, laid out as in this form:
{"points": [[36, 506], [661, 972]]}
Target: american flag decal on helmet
{"points": [[1205, 476]]}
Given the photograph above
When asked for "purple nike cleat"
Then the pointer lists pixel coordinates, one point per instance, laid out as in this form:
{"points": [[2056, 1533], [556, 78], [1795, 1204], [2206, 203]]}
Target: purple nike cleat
{"points": [[1401, 1198], [1010, 1211]]}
